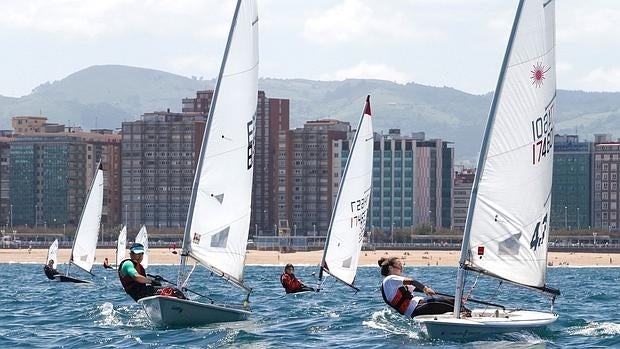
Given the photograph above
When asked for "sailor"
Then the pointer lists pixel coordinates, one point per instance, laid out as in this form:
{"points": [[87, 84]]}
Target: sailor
{"points": [[106, 264], [133, 276], [49, 270], [290, 283], [397, 292]]}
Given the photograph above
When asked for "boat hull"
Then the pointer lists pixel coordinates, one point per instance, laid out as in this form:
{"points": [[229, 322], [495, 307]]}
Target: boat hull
{"points": [[66, 278], [483, 323], [175, 312]]}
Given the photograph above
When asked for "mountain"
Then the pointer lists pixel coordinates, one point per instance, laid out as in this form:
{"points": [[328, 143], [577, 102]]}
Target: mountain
{"points": [[105, 96]]}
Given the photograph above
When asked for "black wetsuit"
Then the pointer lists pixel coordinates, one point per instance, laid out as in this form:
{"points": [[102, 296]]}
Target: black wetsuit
{"points": [[50, 272]]}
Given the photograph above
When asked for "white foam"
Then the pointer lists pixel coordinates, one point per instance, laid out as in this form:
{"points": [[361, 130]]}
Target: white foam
{"points": [[597, 329]]}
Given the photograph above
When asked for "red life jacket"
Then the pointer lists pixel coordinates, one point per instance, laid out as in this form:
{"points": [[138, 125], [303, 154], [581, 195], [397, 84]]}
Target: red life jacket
{"points": [[401, 300], [290, 283], [133, 288]]}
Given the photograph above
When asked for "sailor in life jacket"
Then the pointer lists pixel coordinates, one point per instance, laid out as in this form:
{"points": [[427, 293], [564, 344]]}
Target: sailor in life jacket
{"points": [[133, 276], [290, 283], [49, 270], [397, 292]]}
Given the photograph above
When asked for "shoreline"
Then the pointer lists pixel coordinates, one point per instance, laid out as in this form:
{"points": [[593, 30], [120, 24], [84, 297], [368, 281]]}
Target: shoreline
{"points": [[164, 256]]}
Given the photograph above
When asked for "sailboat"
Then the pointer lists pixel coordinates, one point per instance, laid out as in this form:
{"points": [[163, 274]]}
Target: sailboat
{"points": [[87, 233], [507, 226], [143, 238], [121, 245], [218, 220], [52, 253], [345, 234], [52, 256]]}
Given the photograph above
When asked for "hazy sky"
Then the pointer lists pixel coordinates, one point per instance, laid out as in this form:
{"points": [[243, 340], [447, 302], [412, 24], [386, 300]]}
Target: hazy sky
{"points": [[457, 43]]}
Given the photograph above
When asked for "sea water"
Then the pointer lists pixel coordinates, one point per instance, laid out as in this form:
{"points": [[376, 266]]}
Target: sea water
{"points": [[36, 312]]}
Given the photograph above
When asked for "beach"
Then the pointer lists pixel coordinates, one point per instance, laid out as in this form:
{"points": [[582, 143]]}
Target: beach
{"points": [[254, 257]]}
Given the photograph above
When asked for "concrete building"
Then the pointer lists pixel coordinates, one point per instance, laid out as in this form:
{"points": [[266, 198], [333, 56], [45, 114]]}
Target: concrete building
{"points": [[5, 181], [412, 182], [272, 116], [463, 183], [570, 197], [51, 171], [606, 163], [159, 156], [307, 182]]}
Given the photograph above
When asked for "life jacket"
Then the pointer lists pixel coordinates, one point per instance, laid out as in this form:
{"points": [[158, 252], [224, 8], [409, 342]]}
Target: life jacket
{"points": [[291, 285], [401, 300], [133, 288]]}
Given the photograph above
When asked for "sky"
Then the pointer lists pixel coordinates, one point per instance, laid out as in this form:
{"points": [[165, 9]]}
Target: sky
{"points": [[455, 43]]}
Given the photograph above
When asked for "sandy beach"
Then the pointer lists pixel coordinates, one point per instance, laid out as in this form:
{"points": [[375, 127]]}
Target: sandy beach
{"points": [[415, 258]]}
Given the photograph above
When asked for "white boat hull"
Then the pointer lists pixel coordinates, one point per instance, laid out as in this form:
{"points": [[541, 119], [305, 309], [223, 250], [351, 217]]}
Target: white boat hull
{"points": [[483, 323], [173, 312]]}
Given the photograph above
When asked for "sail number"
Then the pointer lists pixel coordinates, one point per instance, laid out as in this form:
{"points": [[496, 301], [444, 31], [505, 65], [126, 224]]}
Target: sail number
{"points": [[538, 238], [359, 209], [542, 134]]}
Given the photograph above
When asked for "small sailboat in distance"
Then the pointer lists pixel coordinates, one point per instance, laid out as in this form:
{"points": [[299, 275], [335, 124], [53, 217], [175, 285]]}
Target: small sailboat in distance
{"points": [[121, 246], [143, 238], [87, 233], [345, 234], [51, 262], [218, 221], [507, 226]]}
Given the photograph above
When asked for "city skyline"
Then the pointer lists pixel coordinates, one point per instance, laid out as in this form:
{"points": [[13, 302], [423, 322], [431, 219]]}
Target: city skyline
{"points": [[455, 43]]}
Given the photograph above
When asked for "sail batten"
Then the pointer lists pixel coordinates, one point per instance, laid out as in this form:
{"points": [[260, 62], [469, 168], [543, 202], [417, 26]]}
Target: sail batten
{"points": [[348, 223]]}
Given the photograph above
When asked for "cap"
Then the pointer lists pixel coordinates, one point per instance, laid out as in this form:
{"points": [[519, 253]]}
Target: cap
{"points": [[136, 248]]}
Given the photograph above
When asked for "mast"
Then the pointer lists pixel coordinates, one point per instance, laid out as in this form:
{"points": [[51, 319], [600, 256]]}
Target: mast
{"points": [[92, 184], [344, 174], [188, 223], [460, 279]]}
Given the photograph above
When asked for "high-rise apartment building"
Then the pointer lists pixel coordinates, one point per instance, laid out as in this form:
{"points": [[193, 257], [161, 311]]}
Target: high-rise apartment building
{"points": [[51, 172], [272, 116], [412, 182], [306, 178], [463, 183], [5, 181], [606, 164], [570, 197], [159, 156]]}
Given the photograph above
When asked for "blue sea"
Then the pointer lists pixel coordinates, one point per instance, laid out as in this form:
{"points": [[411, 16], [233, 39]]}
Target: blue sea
{"points": [[37, 313]]}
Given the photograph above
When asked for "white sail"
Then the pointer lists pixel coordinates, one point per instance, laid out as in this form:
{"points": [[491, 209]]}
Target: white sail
{"points": [[85, 244], [348, 222], [219, 217], [143, 238], [509, 228], [121, 245], [52, 253]]}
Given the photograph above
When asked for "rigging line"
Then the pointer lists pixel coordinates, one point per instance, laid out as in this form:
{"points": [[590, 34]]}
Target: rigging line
{"points": [[472, 288]]}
